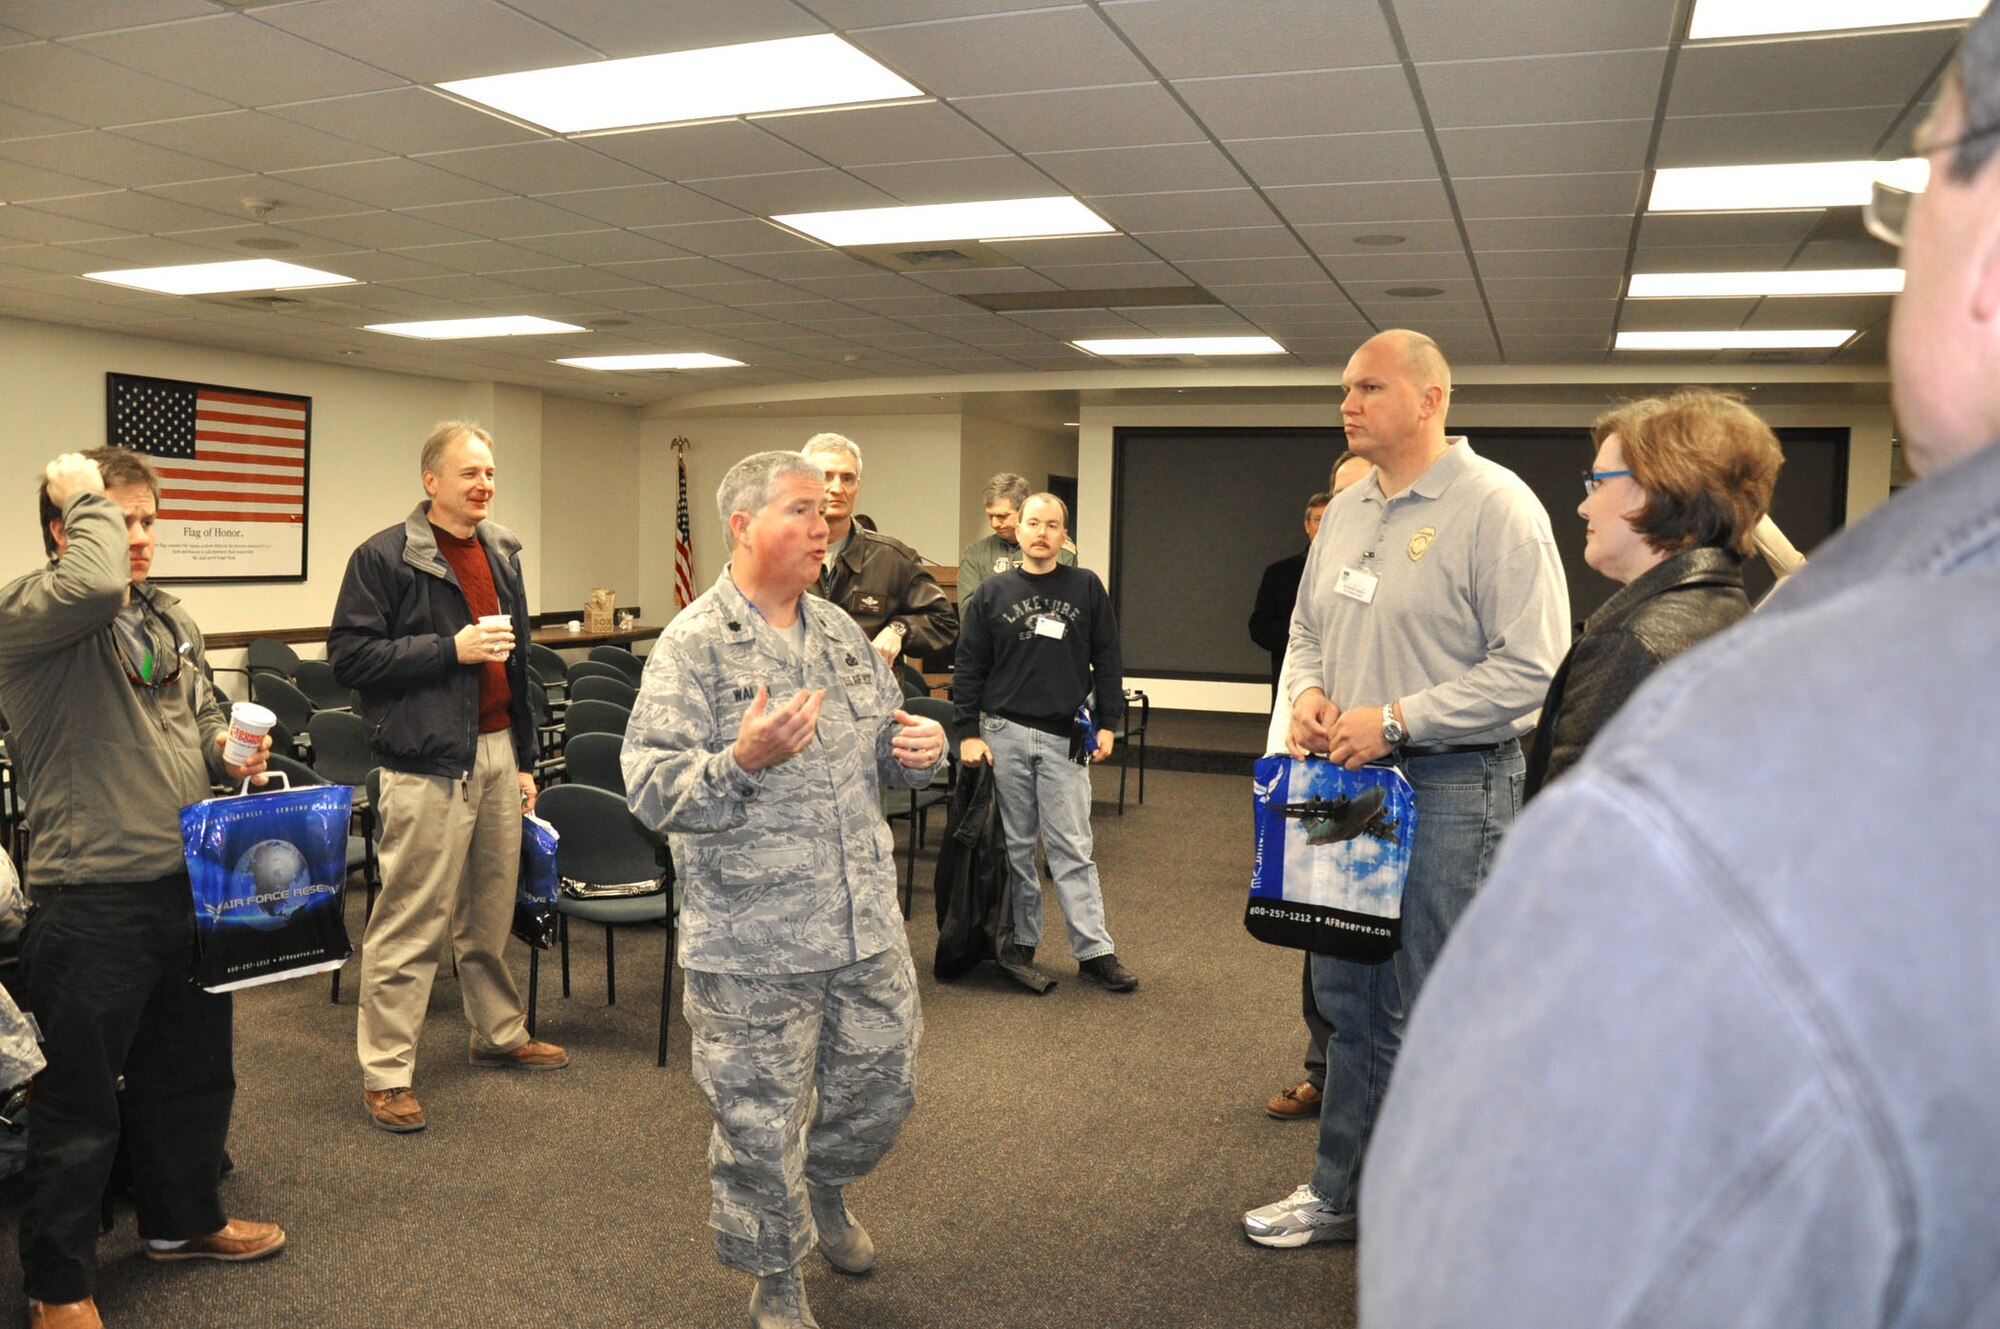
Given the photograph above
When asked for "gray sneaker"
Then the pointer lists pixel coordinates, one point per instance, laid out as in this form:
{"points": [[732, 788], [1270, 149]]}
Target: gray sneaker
{"points": [[779, 1302], [1298, 1220], [842, 1240], [1105, 969]]}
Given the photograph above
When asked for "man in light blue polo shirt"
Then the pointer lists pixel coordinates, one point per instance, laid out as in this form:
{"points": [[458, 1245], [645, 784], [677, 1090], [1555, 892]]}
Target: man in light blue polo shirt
{"points": [[1430, 619]]}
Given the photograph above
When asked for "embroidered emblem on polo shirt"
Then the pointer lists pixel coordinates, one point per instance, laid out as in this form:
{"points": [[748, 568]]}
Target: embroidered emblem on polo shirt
{"points": [[1002, 563], [1420, 543]]}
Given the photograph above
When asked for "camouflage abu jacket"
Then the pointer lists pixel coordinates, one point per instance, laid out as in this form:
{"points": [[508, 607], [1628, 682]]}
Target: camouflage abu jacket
{"points": [[790, 869]]}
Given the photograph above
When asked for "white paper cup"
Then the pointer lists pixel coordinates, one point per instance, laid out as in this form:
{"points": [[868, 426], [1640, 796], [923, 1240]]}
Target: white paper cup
{"points": [[498, 621], [248, 723], [574, 625]]}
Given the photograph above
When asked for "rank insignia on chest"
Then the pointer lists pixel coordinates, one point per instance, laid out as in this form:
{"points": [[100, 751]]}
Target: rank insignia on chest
{"points": [[1420, 543]]}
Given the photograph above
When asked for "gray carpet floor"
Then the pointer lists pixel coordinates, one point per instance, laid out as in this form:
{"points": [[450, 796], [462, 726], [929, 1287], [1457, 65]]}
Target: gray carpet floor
{"points": [[1079, 1159]]}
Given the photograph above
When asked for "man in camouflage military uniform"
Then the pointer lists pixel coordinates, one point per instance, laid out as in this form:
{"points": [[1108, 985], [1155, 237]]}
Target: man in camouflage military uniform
{"points": [[764, 731]]}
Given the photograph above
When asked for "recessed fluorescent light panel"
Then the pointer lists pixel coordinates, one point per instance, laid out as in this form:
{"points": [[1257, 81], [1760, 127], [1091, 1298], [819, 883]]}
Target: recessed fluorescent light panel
{"points": [[677, 360], [248, 274], [1781, 186], [442, 329], [1790, 339], [791, 74], [1715, 19], [1180, 346], [1719, 285], [1008, 219]]}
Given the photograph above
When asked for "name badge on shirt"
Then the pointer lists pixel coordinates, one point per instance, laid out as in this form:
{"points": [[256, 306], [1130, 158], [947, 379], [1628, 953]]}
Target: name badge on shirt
{"points": [[1050, 626], [1356, 584]]}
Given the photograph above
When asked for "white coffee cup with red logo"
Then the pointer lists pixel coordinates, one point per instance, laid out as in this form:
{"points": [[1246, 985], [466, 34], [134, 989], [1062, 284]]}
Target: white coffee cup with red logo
{"points": [[248, 723]]}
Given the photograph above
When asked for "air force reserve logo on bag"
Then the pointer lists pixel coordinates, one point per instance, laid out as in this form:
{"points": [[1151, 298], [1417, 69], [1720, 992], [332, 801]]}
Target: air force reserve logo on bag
{"points": [[1333, 849]]}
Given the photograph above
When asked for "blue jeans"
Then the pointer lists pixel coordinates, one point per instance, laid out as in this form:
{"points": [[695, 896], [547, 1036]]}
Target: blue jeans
{"points": [[1465, 800], [1042, 791]]}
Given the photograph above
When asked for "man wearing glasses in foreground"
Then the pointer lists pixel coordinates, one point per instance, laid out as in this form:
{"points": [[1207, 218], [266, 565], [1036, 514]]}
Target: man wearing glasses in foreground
{"points": [[1717, 1042], [114, 730]]}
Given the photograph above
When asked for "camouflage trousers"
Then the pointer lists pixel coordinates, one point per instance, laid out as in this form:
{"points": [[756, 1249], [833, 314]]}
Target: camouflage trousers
{"points": [[762, 1044]]}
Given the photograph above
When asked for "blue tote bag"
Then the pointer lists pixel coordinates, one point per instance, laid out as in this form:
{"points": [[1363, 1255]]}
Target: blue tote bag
{"points": [[1333, 850]]}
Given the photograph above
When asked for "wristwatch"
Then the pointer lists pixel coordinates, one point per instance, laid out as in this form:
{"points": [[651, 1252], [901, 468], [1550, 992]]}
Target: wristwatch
{"points": [[1393, 732]]}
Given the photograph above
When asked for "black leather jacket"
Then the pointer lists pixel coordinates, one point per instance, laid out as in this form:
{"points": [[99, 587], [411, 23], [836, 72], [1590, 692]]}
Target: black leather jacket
{"points": [[392, 641], [878, 580], [1690, 597]]}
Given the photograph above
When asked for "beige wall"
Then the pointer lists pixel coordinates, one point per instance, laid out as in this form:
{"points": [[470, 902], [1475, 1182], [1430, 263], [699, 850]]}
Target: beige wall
{"points": [[590, 490], [988, 447]]}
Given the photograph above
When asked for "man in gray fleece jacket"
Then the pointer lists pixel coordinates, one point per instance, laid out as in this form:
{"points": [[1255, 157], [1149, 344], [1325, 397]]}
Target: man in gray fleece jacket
{"points": [[113, 729]]}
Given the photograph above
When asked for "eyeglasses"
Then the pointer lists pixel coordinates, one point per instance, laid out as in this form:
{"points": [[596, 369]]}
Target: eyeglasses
{"points": [[146, 674], [1886, 215], [1593, 479]]}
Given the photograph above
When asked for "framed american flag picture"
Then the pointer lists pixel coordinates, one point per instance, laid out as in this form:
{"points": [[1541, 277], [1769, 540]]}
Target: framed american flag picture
{"points": [[234, 467]]}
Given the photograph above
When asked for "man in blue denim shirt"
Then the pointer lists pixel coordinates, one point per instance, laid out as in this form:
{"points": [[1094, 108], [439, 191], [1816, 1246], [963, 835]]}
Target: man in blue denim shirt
{"points": [[1718, 1042], [1429, 622]]}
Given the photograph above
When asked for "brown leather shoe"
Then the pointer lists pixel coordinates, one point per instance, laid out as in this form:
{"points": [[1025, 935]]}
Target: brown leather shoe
{"points": [[237, 1240], [1295, 1104], [530, 1056], [394, 1109], [64, 1315]]}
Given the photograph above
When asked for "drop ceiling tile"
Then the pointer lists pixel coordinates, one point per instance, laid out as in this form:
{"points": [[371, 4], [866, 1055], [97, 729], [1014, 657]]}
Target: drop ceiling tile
{"points": [[24, 184], [31, 225], [730, 239], [252, 141], [799, 264], [431, 42], [960, 181], [237, 58], [405, 120], [1507, 311], [1552, 262], [1347, 101], [1141, 170], [1183, 210], [1550, 232], [1704, 258], [1342, 239], [136, 251], [1326, 159], [505, 218], [1025, 51], [1112, 276], [1852, 311], [1593, 146], [51, 19], [646, 205], [226, 194], [623, 28], [1452, 30], [379, 230], [1549, 195], [606, 246], [985, 280], [92, 91], [479, 256], [1866, 252], [677, 273], [56, 259], [879, 135], [459, 286], [1599, 327], [1871, 69], [228, 241], [691, 152], [1668, 315], [1848, 134], [392, 182], [1727, 228], [1236, 242], [1557, 348], [19, 122], [1253, 271], [548, 166], [1294, 293], [1203, 322], [732, 297], [1408, 200], [570, 280], [1397, 267], [1132, 115], [1615, 85], [384, 267], [823, 190], [1553, 288], [1197, 38], [131, 211], [109, 160]]}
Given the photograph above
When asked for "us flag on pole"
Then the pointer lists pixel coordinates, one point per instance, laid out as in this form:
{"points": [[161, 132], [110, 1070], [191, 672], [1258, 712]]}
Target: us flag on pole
{"points": [[232, 464], [683, 544]]}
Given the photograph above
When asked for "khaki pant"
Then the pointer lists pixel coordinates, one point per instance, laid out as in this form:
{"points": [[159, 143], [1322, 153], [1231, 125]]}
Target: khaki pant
{"points": [[451, 851]]}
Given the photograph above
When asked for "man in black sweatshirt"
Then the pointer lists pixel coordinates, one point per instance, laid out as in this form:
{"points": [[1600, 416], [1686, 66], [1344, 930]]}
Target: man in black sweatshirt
{"points": [[1034, 645]]}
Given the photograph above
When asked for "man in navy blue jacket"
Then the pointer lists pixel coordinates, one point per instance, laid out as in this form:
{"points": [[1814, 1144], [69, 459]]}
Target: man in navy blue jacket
{"points": [[418, 633], [1036, 643]]}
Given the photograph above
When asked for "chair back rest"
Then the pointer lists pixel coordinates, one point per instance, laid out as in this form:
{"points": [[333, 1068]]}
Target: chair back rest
{"points": [[315, 679], [546, 665], [268, 654], [340, 746], [296, 771], [602, 842], [593, 759], [595, 668], [911, 681], [620, 659], [595, 688], [594, 717], [293, 708]]}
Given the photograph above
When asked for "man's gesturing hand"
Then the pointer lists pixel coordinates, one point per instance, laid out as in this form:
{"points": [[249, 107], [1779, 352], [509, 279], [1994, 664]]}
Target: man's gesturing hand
{"points": [[766, 738]]}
